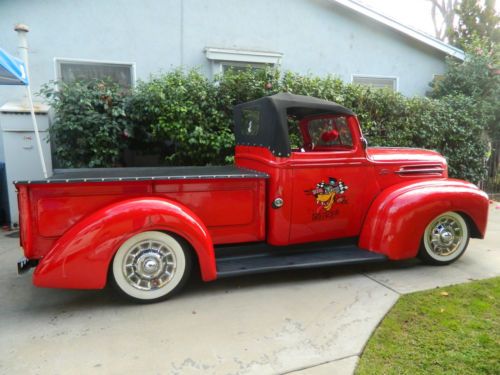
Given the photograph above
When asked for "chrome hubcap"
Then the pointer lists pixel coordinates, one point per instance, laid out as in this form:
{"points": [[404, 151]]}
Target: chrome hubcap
{"points": [[445, 236], [149, 265]]}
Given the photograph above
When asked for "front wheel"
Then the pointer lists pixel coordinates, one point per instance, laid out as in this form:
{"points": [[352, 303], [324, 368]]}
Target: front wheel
{"points": [[445, 239], [150, 266]]}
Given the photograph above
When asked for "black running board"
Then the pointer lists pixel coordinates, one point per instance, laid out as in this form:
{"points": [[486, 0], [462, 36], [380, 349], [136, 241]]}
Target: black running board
{"points": [[260, 258]]}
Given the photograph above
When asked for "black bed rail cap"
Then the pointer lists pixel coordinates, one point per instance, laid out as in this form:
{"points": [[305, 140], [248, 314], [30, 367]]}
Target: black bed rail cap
{"points": [[147, 174]]}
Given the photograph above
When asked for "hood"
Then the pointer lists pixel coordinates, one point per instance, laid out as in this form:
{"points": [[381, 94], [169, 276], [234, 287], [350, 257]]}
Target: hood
{"points": [[394, 165], [401, 154]]}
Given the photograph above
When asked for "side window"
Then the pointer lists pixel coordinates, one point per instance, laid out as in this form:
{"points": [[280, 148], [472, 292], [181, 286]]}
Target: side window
{"points": [[325, 133], [294, 133], [345, 135]]}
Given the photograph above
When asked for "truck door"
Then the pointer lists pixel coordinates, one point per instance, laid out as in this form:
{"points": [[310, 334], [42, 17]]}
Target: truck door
{"points": [[333, 183]]}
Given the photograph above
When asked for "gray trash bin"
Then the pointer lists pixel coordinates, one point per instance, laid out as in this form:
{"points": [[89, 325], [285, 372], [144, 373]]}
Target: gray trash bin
{"points": [[4, 197], [20, 153]]}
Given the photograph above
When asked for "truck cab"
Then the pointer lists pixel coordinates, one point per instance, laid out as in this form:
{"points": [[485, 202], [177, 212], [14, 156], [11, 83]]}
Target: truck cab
{"points": [[305, 191], [328, 182]]}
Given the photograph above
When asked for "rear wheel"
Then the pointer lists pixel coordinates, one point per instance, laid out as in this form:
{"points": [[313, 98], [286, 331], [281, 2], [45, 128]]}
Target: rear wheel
{"points": [[445, 239], [150, 266]]}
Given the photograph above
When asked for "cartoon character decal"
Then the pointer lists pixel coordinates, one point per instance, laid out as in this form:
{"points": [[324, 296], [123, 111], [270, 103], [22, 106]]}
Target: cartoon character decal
{"points": [[328, 193]]}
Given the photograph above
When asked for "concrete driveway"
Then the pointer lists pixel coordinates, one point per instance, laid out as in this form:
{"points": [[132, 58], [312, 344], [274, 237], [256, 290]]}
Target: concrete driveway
{"points": [[302, 322]]}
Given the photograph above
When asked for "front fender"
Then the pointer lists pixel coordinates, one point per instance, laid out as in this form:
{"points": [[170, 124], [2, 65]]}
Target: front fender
{"points": [[397, 218], [80, 258]]}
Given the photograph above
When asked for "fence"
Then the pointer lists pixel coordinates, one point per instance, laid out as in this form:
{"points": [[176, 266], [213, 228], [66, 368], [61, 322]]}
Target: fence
{"points": [[492, 184]]}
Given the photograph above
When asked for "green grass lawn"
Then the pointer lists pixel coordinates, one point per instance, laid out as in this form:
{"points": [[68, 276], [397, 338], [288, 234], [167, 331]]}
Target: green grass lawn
{"points": [[452, 330]]}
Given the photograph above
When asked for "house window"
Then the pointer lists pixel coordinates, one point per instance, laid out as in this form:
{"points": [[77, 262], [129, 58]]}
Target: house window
{"points": [[239, 67], [378, 82], [68, 70], [222, 59]]}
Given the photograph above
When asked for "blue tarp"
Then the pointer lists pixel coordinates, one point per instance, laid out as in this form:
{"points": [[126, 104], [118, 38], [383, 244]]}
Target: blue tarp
{"points": [[12, 70]]}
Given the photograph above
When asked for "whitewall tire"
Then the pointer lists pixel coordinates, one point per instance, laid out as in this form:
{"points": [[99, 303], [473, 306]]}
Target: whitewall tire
{"points": [[445, 239], [150, 266]]}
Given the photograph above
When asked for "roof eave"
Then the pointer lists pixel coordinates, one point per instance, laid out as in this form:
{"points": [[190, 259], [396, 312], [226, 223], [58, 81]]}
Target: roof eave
{"points": [[413, 33]]}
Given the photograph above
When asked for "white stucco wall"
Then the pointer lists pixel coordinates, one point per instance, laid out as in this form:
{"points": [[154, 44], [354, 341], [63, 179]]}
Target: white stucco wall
{"points": [[314, 36]]}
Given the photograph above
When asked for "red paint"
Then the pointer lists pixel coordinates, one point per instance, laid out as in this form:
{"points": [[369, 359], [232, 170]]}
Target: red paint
{"points": [[384, 196], [232, 211], [80, 258], [398, 216]]}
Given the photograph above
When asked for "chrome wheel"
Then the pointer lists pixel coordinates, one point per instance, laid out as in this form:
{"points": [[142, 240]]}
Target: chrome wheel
{"points": [[150, 266], [445, 238]]}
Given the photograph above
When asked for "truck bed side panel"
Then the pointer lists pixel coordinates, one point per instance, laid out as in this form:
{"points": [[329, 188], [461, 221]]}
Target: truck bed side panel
{"points": [[232, 209]]}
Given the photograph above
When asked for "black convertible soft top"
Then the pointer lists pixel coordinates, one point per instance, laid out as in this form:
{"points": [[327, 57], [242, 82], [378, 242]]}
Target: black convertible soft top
{"points": [[264, 122]]}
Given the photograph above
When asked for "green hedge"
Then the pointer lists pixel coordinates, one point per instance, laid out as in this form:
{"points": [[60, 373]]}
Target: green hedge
{"points": [[90, 127], [188, 118]]}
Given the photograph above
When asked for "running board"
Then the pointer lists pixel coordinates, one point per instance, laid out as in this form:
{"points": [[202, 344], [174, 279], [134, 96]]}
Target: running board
{"points": [[260, 258]]}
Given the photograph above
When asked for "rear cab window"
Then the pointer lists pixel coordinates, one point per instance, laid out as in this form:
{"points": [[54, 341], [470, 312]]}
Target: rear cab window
{"points": [[251, 121]]}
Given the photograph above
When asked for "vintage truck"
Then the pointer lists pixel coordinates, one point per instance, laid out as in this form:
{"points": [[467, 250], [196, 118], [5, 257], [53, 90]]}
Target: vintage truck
{"points": [[331, 201]]}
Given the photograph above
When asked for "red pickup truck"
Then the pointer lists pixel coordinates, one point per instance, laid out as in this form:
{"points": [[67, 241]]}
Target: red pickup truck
{"points": [[331, 201]]}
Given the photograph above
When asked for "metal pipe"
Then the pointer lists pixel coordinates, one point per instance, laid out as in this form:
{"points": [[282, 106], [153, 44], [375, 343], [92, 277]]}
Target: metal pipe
{"points": [[22, 47], [22, 50]]}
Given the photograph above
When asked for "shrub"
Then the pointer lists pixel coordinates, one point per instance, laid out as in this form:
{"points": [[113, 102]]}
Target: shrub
{"points": [[190, 117], [476, 78], [91, 127], [180, 109], [454, 126]]}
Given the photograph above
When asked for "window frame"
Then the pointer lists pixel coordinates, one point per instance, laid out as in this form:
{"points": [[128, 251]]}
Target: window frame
{"points": [[395, 78], [59, 60]]}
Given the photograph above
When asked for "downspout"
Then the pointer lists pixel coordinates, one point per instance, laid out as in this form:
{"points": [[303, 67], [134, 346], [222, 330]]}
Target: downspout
{"points": [[181, 34]]}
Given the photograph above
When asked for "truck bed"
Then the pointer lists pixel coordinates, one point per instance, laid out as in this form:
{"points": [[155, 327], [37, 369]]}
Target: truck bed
{"points": [[145, 174], [230, 201]]}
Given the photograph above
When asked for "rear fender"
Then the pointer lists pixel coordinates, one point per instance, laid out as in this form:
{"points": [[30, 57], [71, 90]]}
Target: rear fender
{"points": [[80, 259], [397, 218]]}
